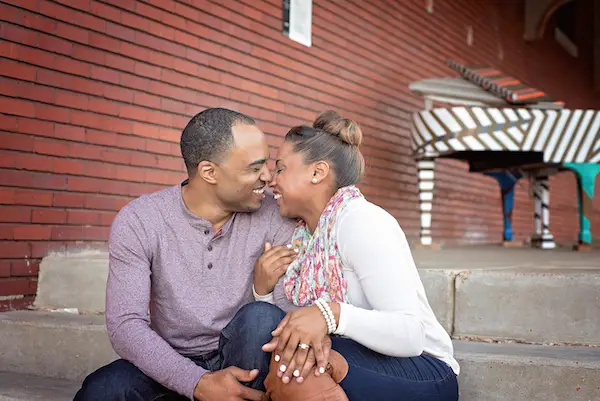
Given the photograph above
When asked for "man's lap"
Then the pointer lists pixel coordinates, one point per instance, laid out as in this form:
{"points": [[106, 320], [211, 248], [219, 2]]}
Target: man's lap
{"points": [[240, 345]]}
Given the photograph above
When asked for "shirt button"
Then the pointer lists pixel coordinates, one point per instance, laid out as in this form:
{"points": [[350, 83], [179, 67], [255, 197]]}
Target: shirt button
{"points": [[209, 247], [210, 266]]}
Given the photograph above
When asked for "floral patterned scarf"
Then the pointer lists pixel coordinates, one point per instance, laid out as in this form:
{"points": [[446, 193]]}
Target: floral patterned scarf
{"points": [[317, 271]]}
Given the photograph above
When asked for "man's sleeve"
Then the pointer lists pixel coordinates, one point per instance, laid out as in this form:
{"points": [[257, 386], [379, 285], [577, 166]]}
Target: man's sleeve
{"points": [[282, 229], [127, 314]]}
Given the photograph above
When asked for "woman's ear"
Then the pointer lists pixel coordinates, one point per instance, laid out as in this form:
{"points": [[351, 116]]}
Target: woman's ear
{"points": [[320, 171]]}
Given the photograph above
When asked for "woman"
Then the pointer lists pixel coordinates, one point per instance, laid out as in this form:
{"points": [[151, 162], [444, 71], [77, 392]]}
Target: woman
{"points": [[354, 278]]}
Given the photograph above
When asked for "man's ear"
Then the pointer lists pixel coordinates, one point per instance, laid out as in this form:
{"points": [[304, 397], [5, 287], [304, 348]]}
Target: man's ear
{"points": [[207, 171]]}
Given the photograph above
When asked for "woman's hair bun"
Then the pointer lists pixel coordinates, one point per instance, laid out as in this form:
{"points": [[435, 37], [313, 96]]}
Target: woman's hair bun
{"points": [[345, 129]]}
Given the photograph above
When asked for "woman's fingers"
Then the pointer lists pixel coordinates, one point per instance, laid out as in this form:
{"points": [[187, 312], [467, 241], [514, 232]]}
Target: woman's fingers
{"points": [[286, 351], [271, 345], [281, 325], [308, 365], [320, 359], [300, 358], [287, 375]]}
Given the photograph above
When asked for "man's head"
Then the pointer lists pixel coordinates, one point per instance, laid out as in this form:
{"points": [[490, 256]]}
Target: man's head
{"points": [[227, 153]]}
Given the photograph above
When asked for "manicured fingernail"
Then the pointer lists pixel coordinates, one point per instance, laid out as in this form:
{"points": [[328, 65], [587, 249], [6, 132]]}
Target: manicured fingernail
{"points": [[282, 368], [300, 379], [296, 250], [296, 373], [289, 246], [322, 369], [277, 358], [286, 380]]}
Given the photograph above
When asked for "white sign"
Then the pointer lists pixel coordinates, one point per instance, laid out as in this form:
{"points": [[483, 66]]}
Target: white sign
{"points": [[297, 21]]}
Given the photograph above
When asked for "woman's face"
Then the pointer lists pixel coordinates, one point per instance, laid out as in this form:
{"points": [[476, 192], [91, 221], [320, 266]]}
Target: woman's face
{"points": [[291, 182]]}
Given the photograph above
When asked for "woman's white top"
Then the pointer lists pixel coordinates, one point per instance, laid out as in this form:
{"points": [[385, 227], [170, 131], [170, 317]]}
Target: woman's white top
{"points": [[388, 310]]}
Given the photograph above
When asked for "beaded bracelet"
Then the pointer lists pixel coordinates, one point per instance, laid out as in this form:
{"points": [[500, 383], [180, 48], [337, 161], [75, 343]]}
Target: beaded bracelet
{"points": [[327, 314]]}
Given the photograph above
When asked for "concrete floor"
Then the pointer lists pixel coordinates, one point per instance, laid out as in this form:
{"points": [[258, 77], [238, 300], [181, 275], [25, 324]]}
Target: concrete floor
{"points": [[498, 257]]}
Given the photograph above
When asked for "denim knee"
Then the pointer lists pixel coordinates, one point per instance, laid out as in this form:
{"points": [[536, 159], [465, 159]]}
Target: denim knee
{"points": [[256, 320], [119, 380]]}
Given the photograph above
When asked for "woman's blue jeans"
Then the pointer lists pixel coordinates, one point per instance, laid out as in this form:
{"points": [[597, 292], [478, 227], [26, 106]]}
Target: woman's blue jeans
{"points": [[373, 376]]}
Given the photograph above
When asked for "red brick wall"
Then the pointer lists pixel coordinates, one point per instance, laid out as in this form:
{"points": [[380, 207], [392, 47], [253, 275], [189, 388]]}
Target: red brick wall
{"points": [[93, 95]]}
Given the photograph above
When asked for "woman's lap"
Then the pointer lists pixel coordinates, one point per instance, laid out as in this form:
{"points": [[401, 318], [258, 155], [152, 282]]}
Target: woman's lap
{"points": [[373, 376]]}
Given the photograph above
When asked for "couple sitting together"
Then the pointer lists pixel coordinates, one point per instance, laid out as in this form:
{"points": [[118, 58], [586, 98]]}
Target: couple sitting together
{"points": [[246, 284]]}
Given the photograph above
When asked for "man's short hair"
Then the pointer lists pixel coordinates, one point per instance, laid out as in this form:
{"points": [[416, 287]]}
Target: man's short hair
{"points": [[208, 136]]}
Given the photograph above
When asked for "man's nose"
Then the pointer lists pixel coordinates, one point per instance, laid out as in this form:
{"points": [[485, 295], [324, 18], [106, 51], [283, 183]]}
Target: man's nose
{"points": [[266, 175]]}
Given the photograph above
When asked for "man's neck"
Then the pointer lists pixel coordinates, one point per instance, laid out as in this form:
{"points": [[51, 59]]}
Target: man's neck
{"points": [[201, 203]]}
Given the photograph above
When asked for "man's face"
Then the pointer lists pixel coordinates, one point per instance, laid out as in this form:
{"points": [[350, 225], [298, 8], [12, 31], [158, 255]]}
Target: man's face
{"points": [[242, 177]]}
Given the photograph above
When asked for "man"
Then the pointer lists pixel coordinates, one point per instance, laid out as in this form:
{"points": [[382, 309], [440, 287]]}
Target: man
{"points": [[179, 301]]}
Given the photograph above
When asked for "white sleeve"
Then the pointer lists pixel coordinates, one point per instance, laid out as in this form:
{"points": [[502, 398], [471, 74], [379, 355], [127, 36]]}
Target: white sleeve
{"points": [[372, 244], [264, 298]]}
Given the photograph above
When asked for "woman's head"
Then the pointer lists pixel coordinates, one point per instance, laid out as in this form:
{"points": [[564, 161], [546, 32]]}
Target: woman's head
{"points": [[314, 162]]}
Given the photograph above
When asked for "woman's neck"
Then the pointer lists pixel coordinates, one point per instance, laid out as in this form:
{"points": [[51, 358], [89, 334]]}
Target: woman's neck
{"points": [[315, 209]]}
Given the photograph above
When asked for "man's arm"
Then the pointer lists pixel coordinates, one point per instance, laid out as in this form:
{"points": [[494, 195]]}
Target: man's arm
{"points": [[127, 315]]}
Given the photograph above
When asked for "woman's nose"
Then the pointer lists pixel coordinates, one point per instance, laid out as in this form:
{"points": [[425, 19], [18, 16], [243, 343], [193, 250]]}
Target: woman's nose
{"points": [[273, 180]]}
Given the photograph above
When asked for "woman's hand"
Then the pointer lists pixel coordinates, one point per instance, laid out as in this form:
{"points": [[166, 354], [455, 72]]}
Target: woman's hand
{"points": [[301, 326], [271, 266]]}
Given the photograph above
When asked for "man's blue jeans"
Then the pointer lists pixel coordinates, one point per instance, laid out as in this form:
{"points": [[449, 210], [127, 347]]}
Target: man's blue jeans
{"points": [[240, 345]]}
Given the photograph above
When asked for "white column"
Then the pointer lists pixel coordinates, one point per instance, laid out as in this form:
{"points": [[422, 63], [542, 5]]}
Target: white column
{"points": [[425, 171], [542, 236]]}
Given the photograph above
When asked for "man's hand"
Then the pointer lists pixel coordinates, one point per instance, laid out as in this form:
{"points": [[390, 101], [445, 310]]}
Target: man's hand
{"points": [[271, 266], [224, 385]]}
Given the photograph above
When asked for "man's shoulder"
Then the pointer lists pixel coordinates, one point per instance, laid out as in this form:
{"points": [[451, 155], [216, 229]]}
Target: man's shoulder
{"points": [[145, 207]]}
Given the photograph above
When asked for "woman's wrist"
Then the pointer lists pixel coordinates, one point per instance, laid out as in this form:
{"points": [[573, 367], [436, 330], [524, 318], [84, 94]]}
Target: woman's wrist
{"points": [[328, 314], [335, 308]]}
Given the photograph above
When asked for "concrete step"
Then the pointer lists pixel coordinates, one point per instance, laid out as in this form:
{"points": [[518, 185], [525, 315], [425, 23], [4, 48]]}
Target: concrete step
{"points": [[65, 346], [53, 344], [21, 387], [527, 295], [519, 372], [533, 305]]}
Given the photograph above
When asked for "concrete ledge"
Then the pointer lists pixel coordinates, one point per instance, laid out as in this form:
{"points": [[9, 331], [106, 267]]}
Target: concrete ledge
{"points": [[20, 387], [53, 344], [518, 372], [521, 296], [64, 346], [536, 306], [73, 280], [439, 287]]}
